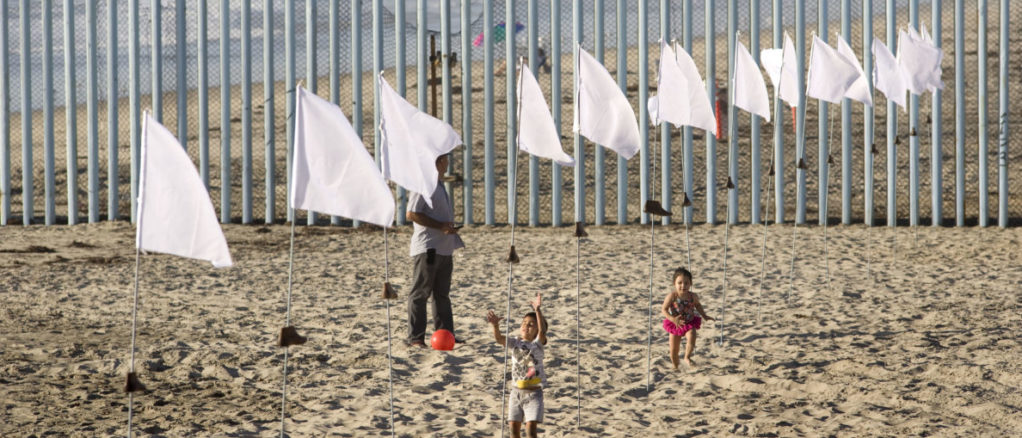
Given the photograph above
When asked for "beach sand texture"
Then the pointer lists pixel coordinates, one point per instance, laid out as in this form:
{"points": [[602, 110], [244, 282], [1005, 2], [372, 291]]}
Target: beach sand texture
{"points": [[926, 345]]}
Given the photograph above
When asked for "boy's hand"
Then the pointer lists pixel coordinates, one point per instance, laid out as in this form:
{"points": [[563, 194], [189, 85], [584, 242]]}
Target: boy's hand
{"points": [[537, 302], [492, 318]]}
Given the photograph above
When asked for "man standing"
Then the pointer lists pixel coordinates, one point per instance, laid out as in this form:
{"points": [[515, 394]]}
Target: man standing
{"points": [[434, 240]]}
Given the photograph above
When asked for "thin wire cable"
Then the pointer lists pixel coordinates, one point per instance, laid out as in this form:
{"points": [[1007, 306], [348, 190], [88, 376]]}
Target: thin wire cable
{"points": [[287, 323], [513, 218], [762, 268], [390, 354], [649, 305], [578, 326]]}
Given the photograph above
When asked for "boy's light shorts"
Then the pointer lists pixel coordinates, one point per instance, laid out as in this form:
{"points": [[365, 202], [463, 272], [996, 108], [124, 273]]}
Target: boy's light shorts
{"points": [[525, 405]]}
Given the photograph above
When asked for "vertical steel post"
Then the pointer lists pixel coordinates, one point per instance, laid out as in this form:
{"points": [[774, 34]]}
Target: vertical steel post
{"points": [[622, 81], [800, 123], [112, 114], [400, 70], [134, 102], [488, 104], [1002, 142], [156, 57], [290, 91], [644, 158], [225, 112], [732, 115], [686, 19], [846, 125], [981, 96], [913, 139], [824, 137], [600, 158], [868, 140], [534, 66], [779, 117], [356, 75], [665, 128], [512, 112], [378, 68], [959, 113], [466, 108], [335, 66], [203, 91], [311, 68], [70, 110], [755, 122], [711, 90], [5, 141], [445, 77], [27, 170], [555, 100], [580, 153], [182, 77], [936, 136], [246, 113], [92, 107], [269, 111], [892, 126], [50, 186]]}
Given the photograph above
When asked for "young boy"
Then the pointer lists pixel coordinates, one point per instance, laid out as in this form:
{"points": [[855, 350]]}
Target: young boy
{"points": [[526, 401]]}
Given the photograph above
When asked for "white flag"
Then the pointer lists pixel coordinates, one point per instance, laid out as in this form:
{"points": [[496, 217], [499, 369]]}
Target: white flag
{"points": [[671, 101], [412, 141], [830, 74], [537, 134], [701, 113], [175, 215], [921, 61], [888, 76], [750, 92], [782, 67], [859, 90], [602, 112], [332, 172]]}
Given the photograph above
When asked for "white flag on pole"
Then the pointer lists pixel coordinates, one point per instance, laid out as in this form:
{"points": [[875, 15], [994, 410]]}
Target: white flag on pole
{"points": [[412, 141], [175, 215], [888, 76], [701, 112], [750, 92], [332, 172], [921, 61], [602, 112], [670, 104], [782, 67], [859, 90], [830, 73], [537, 134]]}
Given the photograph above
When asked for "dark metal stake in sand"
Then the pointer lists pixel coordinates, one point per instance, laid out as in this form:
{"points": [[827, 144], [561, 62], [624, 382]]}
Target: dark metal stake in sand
{"points": [[580, 232]]}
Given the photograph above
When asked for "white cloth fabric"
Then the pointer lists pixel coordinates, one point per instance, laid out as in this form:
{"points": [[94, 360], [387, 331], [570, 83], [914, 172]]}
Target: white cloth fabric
{"points": [[749, 89], [670, 104], [175, 215], [537, 134], [888, 76], [701, 112], [782, 67], [332, 172], [830, 73], [921, 62], [602, 112], [412, 141], [859, 90]]}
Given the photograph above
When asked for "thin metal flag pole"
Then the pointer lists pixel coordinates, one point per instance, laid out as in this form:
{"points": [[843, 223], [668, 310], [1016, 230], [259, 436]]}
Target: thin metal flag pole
{"points": [[390, 355], [287, 322], [766, 222], [652, 233], [132, 383]]}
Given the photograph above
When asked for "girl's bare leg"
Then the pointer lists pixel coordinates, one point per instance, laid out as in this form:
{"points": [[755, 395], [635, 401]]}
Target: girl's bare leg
{"points": [[516, 429], [531, 429], [675, 349], [690, 346]]}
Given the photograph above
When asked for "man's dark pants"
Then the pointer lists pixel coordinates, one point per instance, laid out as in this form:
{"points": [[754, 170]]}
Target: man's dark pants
{"points": [[431, 277]]}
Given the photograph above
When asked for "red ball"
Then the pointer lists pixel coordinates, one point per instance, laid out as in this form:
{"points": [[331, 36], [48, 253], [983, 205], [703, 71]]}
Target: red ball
{"points": [[442, 340]]}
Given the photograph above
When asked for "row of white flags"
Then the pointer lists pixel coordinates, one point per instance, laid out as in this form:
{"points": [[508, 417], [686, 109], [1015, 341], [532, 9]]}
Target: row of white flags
{"points": [[333, 172]]}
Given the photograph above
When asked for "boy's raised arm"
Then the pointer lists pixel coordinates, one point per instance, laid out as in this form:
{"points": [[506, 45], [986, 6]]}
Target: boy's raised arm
{"points": [[539, 315], [494, 321]]}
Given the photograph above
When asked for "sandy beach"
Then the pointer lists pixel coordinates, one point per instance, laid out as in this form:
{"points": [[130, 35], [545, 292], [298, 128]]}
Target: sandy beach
{"points": [[923, 345]]}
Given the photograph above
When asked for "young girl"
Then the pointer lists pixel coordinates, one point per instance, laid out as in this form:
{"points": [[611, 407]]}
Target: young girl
{"points": [[682, 312]]}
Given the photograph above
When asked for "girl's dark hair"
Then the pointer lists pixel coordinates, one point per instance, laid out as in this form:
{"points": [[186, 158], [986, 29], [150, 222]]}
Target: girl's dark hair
{"points": [[681, 272]]}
